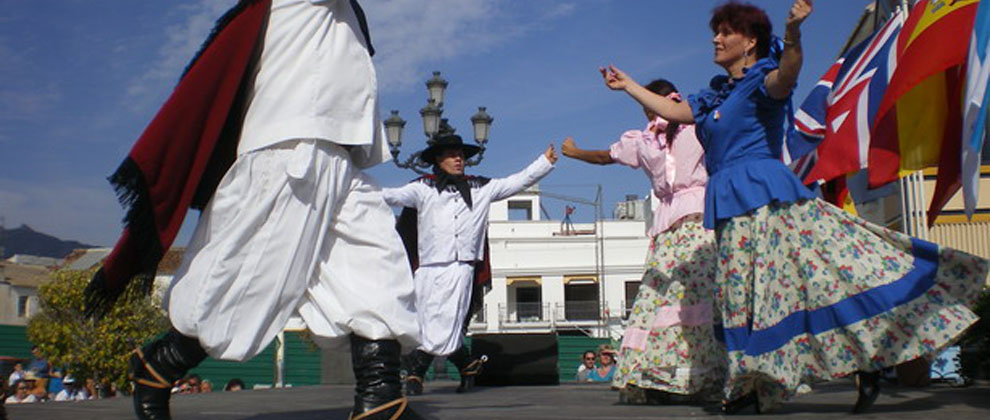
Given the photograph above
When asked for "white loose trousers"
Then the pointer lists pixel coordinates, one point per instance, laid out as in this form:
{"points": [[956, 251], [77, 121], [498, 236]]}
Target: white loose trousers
{"points": [[293, 228], [443, 298]]}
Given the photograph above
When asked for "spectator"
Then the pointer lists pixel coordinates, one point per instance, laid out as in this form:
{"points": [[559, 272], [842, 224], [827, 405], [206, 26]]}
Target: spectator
{"points": [[235, 384], [206, 386], [90, 388], [36, 386], [21, 393], [17, 374], [606, 369], [71, 392], [191, 385], [55, 382], [38, 364], [586, 366]]}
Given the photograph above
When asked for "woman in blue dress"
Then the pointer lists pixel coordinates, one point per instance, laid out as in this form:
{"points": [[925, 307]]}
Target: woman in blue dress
{"points": [[807, 292]]}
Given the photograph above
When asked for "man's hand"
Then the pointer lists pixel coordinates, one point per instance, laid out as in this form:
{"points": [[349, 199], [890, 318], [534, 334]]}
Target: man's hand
{"points": [[551, 154]]}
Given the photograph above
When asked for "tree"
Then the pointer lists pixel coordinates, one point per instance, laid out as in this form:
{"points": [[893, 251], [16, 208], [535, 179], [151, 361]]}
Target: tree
{"points": [[97, 349]]}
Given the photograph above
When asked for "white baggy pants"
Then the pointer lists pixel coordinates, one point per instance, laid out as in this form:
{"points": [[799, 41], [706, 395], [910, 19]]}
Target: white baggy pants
{"points": [[443, 298], [293, 228]]}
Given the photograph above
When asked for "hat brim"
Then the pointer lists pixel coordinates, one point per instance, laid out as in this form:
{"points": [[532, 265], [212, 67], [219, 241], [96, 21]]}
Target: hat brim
{"points": [[429, 155]]}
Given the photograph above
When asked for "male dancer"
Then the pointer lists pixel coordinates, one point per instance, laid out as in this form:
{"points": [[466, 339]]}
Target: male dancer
{"points": [[452, 220], [293, 227]]}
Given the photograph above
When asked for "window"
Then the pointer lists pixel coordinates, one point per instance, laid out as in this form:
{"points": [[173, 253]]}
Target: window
{"points": [[520, 210], [529, 306], [22, 306], [581, 301]]}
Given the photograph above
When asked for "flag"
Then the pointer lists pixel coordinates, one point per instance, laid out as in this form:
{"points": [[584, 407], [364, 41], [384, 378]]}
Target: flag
{"points": [[841, 107], [975, 107], [919, 120]]}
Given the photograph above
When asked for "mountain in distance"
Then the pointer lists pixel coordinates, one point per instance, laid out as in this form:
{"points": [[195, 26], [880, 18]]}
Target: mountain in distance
{"points": [[27, 241]]}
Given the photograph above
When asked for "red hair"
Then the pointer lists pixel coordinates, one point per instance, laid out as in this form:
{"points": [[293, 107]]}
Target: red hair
{"points": [[746, 19]]}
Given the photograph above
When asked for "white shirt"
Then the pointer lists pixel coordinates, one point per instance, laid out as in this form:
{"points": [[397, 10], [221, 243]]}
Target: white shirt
{"points": [[315, 80], [28, 399], [77, 395], [450, 231], [14, 376]]}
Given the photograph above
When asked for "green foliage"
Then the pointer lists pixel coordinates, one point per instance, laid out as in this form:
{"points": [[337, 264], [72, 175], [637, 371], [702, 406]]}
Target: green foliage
{"points": [[92, 349]]}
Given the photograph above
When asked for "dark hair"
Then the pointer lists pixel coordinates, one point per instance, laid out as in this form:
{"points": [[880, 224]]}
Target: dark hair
{"points": [[585, 353], [747, 19], [232, 383], [663, 87]]}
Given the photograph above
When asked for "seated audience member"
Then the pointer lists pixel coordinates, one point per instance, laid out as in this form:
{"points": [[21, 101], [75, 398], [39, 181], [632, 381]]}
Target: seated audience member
{"points": [[606, 369], [189, 385], [235, 384], [206, 386], [586, 366], [17, 374], [71, 391], [21, 393]]}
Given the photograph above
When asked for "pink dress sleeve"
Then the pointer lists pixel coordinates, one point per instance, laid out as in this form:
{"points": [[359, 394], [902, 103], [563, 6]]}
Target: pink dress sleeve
{"points": [[626, 150]]}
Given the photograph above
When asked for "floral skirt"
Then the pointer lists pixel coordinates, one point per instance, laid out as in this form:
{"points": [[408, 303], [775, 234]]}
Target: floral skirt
{"points": [[809, 293], [669, 344]]}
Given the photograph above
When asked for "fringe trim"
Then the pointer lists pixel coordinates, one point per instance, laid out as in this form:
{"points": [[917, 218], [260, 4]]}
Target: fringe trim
{"points": [[132, 193], [221, 23]]}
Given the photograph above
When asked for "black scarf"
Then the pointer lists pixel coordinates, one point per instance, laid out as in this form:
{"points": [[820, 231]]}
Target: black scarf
{"points": [[458, 181]]}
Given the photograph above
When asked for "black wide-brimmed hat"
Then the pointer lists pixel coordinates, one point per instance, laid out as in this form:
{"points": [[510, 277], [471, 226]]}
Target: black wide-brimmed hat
{"points": [[447, 141]]}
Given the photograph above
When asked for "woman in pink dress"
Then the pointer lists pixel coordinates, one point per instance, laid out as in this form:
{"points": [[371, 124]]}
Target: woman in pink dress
{"points": [[669, 348]]}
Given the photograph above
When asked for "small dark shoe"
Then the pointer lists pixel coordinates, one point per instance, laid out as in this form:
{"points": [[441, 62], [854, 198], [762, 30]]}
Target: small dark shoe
{"points": [[868, 389], [469, 373], [413, 385], [741, 403]]}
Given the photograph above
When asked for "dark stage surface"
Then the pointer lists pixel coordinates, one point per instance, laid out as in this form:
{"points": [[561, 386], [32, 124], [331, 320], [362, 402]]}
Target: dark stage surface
{"points": [[569, 401]]}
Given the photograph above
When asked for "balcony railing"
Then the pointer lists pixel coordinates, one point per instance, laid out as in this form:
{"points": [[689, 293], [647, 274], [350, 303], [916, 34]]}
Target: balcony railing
{"points": [[524, 312], [579, 310], [479, 318]]}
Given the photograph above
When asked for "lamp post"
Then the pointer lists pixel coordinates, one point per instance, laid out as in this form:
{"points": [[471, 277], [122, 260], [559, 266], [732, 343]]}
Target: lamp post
{"points": [[435, 126]]}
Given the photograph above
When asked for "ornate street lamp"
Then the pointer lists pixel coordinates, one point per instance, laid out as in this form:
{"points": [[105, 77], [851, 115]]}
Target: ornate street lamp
{"points": [[434, 125]]}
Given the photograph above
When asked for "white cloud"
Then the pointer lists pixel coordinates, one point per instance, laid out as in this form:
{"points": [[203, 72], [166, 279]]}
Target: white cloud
{"points": [[410, 34], [181, 42]]}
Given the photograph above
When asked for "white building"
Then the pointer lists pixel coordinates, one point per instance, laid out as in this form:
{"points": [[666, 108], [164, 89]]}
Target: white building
{"points": [[551, 276]]}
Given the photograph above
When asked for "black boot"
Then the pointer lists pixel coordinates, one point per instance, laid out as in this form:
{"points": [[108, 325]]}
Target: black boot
{"points": [[467, 367], [418, 362], [156, 367], [378, 393], [868, 388]]}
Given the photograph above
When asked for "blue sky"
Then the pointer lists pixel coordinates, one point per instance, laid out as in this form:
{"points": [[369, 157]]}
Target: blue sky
{"points": [[79, 80]]}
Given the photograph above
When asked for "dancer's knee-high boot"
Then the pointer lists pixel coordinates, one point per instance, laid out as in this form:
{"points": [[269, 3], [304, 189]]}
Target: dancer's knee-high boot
{"points": [[418, 362], [155, 367], [378, 393], [467, 367]]}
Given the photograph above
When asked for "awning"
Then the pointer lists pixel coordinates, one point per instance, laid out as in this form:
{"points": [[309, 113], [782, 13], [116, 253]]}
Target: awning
{"points": [[523, 281], [581, 279]]}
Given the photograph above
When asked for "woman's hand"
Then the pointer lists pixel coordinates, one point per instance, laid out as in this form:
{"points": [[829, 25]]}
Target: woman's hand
{"points": [[568, 147], [800, 11], [551, 154], [616, 79]]}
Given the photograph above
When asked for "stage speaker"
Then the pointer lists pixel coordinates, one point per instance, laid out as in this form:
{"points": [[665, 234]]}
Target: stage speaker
{"points": [[517, 359]]}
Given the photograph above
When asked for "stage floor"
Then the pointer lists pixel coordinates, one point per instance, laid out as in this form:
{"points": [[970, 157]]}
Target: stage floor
{"points": [[569, 401]]}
